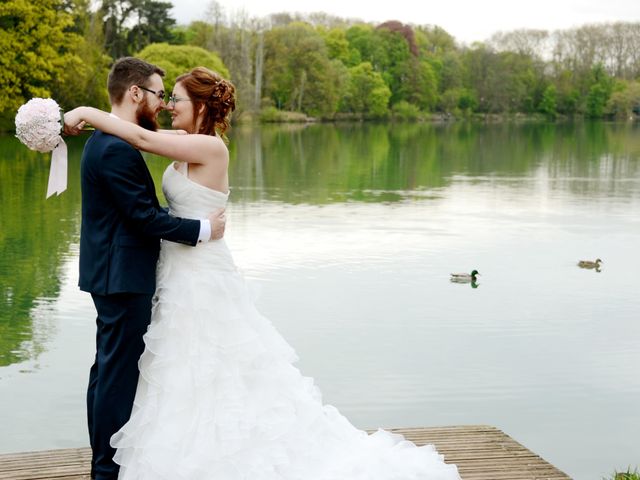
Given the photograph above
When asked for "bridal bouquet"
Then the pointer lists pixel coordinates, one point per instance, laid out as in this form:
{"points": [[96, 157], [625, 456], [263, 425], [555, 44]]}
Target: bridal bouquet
{"points": [[39, 123]]}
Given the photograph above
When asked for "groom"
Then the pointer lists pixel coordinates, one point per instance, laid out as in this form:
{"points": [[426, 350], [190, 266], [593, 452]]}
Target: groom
{"points": [[122, 224]]}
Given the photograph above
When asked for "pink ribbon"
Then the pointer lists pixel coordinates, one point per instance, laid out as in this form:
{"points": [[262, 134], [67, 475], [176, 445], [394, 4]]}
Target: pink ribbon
{"points": [[58, 170]]}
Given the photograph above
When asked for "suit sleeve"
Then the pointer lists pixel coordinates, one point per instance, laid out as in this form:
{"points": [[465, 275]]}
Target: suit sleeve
{"points": [[125, 173]]}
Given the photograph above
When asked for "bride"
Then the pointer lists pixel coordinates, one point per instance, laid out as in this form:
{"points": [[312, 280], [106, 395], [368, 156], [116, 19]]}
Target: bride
{"points": [[218, 397]]}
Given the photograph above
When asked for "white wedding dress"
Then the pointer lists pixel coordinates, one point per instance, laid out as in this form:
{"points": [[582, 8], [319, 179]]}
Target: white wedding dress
{"points": [[218, 397]]}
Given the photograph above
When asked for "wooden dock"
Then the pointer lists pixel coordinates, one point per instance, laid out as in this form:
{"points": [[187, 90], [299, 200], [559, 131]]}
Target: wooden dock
{"points": [[481, 452]]}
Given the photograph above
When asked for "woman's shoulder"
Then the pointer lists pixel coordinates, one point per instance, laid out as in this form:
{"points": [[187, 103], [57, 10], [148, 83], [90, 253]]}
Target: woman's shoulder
{"points": [[214, 144], [215, 140]]}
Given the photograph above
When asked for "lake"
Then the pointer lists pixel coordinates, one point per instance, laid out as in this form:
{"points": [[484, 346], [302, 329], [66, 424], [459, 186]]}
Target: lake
{"points": [[349, 234]]}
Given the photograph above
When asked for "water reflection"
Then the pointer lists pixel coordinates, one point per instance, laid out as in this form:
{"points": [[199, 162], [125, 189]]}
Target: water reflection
{"points": [[34, 237], [353, 231], [321, 165]]}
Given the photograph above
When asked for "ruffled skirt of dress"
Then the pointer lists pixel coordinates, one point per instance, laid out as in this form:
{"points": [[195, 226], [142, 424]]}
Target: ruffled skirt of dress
{"points": [[219, 399]]}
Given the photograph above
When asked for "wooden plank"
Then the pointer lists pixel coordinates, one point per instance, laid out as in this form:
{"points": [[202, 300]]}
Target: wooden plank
{"points": [[481, 452]]}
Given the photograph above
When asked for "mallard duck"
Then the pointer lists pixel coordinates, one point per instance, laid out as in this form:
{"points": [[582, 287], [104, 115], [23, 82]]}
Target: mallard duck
{"points": [[464, 277], [589, 263]]}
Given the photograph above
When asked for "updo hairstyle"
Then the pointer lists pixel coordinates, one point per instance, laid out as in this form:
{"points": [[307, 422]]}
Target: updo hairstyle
{"points": [[217, 95]]}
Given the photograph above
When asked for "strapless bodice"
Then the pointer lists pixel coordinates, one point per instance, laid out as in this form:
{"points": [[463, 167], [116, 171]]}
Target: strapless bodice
{"points": [[187, 198]]}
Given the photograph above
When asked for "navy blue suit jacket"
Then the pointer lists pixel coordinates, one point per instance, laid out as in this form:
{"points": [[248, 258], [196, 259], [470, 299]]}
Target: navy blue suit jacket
{"points": [[122, 221]]}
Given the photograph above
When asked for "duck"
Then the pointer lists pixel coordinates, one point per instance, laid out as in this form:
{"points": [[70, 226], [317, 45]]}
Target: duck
{"points": [[464, 277], [589, 263]]}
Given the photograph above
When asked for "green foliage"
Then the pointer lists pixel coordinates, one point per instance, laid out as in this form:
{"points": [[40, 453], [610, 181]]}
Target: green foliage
{"points": [[366, 93], [273, 115], [35, 51], [434, 41], [567, 94], [451, 71], [360, 38], [182, 35], [458, 101], [179, 59], [83, 81], [198, 33], [601, 87], [504, 81], [625, 100], [393, 60], [597, 100], [338, 46], [130, 25], [467, 100], [393, 51], [239, 47], [298, 74], [628, 475], [154, 25], [548, 105], [63, 48], [405, 111], [420, 86]]}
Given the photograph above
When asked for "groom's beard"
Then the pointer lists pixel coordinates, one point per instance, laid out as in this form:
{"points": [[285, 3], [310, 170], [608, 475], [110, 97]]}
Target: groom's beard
{"points": [[146, 117]]}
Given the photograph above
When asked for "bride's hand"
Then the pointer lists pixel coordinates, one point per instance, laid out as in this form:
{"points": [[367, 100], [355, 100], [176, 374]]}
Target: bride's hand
{"points": [[73, 123]]}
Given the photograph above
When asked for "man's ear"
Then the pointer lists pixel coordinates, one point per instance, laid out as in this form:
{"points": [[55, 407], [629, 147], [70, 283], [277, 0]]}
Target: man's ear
{"points": [[134, 93]]}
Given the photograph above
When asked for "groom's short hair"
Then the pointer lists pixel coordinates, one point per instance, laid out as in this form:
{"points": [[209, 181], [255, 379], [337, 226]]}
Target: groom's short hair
{"points": [[129, 71]]}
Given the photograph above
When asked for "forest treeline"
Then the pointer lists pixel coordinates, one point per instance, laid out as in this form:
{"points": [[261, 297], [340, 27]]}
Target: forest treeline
{"points": [[317, 65]]}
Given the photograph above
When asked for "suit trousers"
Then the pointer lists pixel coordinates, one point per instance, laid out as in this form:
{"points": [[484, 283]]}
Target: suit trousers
{"points": [[122, 320]]}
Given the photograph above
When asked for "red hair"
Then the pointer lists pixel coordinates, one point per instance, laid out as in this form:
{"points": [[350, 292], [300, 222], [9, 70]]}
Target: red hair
{"points": [[209, 90]]}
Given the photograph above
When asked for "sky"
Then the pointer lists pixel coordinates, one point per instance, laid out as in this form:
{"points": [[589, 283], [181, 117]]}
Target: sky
{"points": [[466, 20]]}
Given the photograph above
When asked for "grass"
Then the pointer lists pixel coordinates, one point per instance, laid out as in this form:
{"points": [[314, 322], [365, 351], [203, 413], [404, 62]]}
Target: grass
{"points": [[628, 475]]}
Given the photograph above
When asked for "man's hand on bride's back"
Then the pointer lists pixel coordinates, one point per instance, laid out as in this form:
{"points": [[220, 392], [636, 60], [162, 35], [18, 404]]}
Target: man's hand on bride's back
{"points": [[218, 221]]}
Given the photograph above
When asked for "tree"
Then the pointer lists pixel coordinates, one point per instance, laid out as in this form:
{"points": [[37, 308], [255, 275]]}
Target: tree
{"points": [[451, 71], [366, 92], [548, 105], [616, 46], [83, 81], [420, 86], [503, 81], [338, 46], [298, 74], [434, 40], [599, 92], [34, 51], [154, 24], [235, 42], [458, 101], [567, 94], [394, 58], [151, 24], [625, 100], [361, 41], [392, 51], [238, 40], [480, 64], [179, 59], [532, 43]]}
